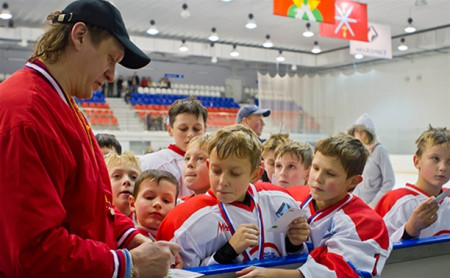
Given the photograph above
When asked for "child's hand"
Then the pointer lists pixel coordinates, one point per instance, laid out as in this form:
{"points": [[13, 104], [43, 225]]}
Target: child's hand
{"points": [[298, 231], [253, 272], [245, 236], [422, 217]]}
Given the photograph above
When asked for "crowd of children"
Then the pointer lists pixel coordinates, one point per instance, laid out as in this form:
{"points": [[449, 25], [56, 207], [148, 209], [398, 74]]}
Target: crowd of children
{"points": [[206, 193]]}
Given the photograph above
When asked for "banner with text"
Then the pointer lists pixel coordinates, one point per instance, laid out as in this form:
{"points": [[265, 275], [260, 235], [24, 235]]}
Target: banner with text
{"points": [[379, 45]]}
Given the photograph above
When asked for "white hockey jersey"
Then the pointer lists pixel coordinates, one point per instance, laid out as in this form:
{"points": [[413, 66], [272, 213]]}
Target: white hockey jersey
{"points": [[170, 160], [397, 206], [347, 239], [200, 228]]}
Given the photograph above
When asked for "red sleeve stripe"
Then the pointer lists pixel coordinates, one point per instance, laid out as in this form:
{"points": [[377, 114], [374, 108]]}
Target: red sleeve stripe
{"points": [[119, 264], [126, 236]]}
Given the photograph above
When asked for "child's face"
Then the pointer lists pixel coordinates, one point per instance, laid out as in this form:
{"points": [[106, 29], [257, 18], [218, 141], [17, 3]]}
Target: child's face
{"points": [[153, 202], [289, 171], [185, 127], [434, 168], [195, 173], [328, 180], [269, 163], [123, 176], [230, 177]]}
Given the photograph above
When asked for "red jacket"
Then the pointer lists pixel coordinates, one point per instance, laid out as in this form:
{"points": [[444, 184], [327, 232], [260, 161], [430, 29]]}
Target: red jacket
{"points": [[55, 193]]}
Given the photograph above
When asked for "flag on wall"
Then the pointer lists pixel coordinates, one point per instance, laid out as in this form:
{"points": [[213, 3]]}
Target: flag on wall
{"points": [[350, 24], [310, 10]]}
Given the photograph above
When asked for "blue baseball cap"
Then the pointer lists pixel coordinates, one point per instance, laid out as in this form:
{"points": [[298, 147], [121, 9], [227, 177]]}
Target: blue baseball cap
{"points": [[248, 110]]}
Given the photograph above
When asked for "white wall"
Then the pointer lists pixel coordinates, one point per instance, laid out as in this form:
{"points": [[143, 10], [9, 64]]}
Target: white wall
{"points": [[401, 97]]}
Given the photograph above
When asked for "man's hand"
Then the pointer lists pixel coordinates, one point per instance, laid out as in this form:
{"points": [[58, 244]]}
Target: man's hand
{"points": [[422, 217], [153, 259], [245, 236]]}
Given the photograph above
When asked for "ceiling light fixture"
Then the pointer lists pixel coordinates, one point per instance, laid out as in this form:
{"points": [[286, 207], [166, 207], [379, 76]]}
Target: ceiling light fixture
{"points": [[410, 28], [234, 52], [213, 37], [280, 57], [251, 23], [316, 49], [183, 46], [268, 43], [5, 13], [152, 30], [294, 67], [308, 33], [185, 12], [358, 56], [402, 46]]}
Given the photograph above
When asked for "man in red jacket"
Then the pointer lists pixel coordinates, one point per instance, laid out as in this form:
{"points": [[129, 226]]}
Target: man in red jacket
{"points": [[56, 215]]}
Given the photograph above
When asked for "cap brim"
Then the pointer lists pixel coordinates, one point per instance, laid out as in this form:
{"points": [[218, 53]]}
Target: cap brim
{"points": [[134, 58], [264, 112]]}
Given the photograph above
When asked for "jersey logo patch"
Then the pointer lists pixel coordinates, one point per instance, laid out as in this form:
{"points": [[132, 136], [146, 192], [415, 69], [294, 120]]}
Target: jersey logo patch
{"points": [[222, 227], [282, 209]]}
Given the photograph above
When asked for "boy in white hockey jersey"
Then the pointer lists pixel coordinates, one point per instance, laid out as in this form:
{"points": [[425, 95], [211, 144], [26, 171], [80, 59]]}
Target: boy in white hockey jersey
{"points": [[187, 119], [412, 212], [348, 239], [228, 223]]}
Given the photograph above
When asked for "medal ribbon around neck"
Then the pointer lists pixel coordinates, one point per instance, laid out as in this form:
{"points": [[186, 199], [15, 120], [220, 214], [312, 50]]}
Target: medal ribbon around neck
{"points": [[68, 100], [226, 217], [36, 66]]}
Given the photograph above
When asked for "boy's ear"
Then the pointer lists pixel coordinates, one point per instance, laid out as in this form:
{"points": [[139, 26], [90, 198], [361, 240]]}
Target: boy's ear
{"points": [[207, 163], [131, 204], [169, 130], [262, 164], [257, 174], [354, 181], [307, 175], [416, 161]]}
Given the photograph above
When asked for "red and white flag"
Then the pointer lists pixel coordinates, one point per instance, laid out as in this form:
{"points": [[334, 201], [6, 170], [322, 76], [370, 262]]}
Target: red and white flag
{"points": [[350, 22]]}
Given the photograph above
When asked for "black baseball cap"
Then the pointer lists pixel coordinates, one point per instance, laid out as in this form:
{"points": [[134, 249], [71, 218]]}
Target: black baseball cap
{"points": [[105, 15]]}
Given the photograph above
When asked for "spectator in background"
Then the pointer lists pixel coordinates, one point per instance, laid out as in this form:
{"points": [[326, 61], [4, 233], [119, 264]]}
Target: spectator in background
{"points": [[378, 175], [164, 83], [119, 86], [57, 215], [252, 116], [134, 82], [144, 82], [108, 143]]}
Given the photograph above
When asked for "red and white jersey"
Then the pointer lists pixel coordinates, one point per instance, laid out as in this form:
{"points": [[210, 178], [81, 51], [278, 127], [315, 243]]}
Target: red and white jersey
{"points": [[347, 239], [200, 226], [170, 160], [397, 206]]}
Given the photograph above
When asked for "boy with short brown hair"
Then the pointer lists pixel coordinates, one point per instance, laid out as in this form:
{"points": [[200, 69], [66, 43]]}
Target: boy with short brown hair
{"points": [[268, 154], [412, 211], [154, 196], [348, 239], [292, 164], [187, 119], [228, 223]]}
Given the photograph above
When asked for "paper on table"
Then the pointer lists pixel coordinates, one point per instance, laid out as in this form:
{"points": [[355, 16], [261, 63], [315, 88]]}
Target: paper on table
{"points": [[281, 225], [181, 273], [441, 196]]}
